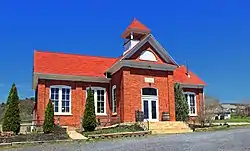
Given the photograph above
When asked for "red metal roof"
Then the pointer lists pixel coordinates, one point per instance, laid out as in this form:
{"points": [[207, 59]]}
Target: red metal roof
{"points": [[136, 24], [180, 75], [83, 65], [70, 64]]}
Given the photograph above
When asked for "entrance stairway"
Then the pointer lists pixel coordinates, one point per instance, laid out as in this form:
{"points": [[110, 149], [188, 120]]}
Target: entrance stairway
{"points": [[167, 127]]}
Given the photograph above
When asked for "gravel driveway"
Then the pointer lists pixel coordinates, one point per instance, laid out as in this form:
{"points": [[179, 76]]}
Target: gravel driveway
{"points": [[231, 140]]}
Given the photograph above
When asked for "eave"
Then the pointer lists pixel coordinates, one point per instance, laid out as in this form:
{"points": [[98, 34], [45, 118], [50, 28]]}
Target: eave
{"points": [[37, 76], [141, 65]]}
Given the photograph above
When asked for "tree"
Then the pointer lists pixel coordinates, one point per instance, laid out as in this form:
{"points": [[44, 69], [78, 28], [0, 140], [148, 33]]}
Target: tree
{"points": [[12, 118], [89, 118], [48, 125], [181, 104], [32, 98], [10, 94]]}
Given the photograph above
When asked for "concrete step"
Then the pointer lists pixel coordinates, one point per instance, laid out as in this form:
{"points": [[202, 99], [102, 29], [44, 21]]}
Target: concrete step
{"points": [[171, 131], [169, 127], [155, 128]]}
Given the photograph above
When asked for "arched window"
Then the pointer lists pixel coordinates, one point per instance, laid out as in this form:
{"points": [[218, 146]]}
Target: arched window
{"points": [[149, 91], [147, 55]]}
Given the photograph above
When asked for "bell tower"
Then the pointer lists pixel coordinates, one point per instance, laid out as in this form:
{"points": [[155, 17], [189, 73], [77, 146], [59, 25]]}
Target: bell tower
{"points": [[133, 34]]}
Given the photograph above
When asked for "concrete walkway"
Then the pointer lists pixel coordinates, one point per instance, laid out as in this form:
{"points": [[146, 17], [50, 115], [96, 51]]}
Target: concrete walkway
{"points": [[76, 136]]}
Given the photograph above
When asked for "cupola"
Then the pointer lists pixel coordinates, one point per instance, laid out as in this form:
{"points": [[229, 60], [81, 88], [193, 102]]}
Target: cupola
{"points": [[133, 34]]}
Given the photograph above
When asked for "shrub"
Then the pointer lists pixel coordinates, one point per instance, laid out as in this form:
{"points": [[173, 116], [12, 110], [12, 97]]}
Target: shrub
{"points": [[181, 104], [48, 125], [12, 118], [89, 118]]}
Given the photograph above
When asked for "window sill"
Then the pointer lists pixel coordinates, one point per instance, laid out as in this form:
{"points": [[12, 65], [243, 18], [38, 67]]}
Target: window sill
{"points": [[101, 114], [114, 114], [192, 114], [63, 114]]}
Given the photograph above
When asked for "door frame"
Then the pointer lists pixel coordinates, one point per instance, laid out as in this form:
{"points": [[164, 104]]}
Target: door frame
{"points": [[150, 98]]}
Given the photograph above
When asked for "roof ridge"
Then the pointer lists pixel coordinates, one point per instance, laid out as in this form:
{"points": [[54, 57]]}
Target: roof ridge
{"points": [[83, 55]]}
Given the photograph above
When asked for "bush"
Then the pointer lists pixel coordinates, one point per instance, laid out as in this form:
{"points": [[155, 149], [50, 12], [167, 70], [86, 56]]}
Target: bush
{"points": [[89, 118], [12, 118], [181, 104], [48, 125]]}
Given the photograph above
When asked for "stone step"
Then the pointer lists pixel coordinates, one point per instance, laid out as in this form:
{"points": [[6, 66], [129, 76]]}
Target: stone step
{"points": [[171, 131], [168, 127]]}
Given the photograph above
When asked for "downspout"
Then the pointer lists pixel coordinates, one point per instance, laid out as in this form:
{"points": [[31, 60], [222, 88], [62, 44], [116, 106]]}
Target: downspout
{"points": [[203, 100], [110, 98], [168, 102]]}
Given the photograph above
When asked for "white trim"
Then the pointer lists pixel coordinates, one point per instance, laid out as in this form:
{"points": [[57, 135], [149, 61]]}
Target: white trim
{"points": [[195, 103], [150, 98], [114, 100], [147, 55], [154, 43], [199, 86], [60, 87], [158, 47], [141, 65], [37, 76], [95, 98]]}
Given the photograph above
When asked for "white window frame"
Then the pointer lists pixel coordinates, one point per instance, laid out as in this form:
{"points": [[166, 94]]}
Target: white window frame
{"points": [[188, 99], [114, 99], [95, 98], [60, 87], [151, 98]]}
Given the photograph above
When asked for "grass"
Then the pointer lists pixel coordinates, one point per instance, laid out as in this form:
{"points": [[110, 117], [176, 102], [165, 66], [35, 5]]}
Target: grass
{"points": [[219, 128], [118, 129], [234, 119]]}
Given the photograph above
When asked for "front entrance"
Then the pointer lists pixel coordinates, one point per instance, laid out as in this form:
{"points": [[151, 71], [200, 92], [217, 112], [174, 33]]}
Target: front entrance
{"points": [[150, 109], [150, 104]]}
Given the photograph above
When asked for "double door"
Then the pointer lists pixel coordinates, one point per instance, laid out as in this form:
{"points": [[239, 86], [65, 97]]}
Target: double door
{"points": [[150, 109]]}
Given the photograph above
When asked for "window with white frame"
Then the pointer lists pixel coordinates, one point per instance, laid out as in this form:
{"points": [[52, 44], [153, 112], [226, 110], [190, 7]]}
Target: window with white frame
{"points": [[61, 99], [114, 99], [191, 99], [100, 100]]}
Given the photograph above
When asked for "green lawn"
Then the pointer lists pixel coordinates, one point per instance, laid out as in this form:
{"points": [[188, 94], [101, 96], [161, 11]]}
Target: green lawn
{"points": [[235, 119], [118, 129], [219, 128]]}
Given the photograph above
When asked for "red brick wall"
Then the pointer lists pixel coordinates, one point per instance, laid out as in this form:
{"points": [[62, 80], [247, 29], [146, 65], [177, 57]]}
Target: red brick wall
{"points": [[133, 82], [78, 97], [129, 82], [118, 81]]}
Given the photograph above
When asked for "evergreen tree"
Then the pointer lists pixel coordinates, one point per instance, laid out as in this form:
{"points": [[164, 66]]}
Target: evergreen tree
{"points": [[181, 104], [12, 119], [48, 125], [10, 94], [89, 118]]}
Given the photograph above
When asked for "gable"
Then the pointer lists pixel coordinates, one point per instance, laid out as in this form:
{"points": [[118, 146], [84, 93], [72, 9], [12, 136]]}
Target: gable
{"points": [[147, 53], [132, 57], [156, 48]]}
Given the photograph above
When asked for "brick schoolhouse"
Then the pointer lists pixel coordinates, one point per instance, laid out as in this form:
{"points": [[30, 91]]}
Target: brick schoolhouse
{"points": [[142, 78]]}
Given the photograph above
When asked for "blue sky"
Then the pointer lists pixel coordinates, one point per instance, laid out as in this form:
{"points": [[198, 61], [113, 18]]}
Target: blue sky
{"points": [[211, 36]]}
